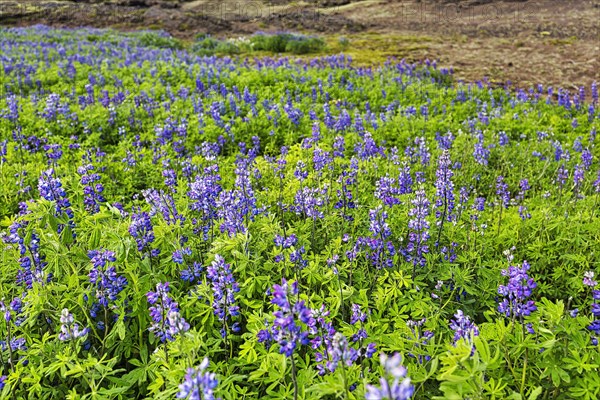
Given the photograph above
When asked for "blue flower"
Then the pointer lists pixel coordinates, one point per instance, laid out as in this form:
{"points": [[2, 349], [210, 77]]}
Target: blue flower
{"points": [[104, 278], [293, 320], [51, 189], [92, 191], [502, 191], [418, 229], [394, 384], [69, 329], [517, 291], [204, 192], [463, 327], [444, 189], [167, 322], [224, 288], [198, 383], [142, 231], [164, 204]]}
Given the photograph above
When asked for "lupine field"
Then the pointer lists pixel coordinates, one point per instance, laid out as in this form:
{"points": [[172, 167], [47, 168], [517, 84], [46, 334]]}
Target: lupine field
{"points": [[183, 226]]}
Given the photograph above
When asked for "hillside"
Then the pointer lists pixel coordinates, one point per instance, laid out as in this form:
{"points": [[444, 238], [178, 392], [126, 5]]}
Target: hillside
{"points": [[522, 41]]}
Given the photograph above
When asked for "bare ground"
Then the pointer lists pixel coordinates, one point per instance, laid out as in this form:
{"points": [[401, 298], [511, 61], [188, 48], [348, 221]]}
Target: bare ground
{"points": [[526, 42]]}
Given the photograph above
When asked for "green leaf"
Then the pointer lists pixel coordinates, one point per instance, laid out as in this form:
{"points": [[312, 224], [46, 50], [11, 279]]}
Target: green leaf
{"points": [[535, 393]]}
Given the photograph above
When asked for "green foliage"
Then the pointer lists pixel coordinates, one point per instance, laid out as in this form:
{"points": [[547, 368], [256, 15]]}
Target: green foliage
{"points": [[186, 112], [160, 40], [287, 43]]}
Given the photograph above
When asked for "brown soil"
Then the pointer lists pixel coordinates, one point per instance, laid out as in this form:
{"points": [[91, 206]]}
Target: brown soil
{"points": [[527, 42]]}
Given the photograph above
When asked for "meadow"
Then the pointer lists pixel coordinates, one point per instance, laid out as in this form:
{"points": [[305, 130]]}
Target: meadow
{"points": [[177, 224]]}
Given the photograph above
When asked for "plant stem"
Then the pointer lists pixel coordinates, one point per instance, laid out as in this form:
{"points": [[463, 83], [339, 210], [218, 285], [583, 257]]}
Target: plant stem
{"points": [[294, 378], [9, 346], [345, 381], [499, 221], [341, 296]]}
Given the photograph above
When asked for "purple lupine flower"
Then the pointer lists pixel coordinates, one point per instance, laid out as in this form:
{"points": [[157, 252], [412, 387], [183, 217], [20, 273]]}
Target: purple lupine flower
{"points": [[357, 314], [345, 197], [478, 207], [561, 176], [463, 327], [50, 188], [13, 312], [578, 177], [294, 114], [293, 320], [502, 138], [287, 243], [142, 231], [524, 188], [297, 258], [167, 322], [594, 326], [204, 191], [480, 152], [92, 190], [378, 223], [380, 250], [238, 207], [394, 384], [2, 381], [163, 203], [387, 190], [224, 288], [588, 279], [339, 147], [444, 191], [16, 344], [516, 292], [198, 384], [502, 191], [405, 180], [31, 261], [358, 318], [309, 201], [418, 229], [573, 313], [322, 342], [420, 338], [106, 282], [69, 329], [300, 172], [281, 163], [445, 141], [577, 145], [321, 159], [367, 148], [170, 179], [12, 113], [53, 152], [419, 152], [3, 150], [343, 122], [340, 352], [193, 271], [587, 159]]}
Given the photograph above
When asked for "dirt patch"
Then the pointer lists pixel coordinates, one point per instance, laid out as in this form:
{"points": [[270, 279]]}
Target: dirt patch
{"points": [[526, 42], [314, 21]]}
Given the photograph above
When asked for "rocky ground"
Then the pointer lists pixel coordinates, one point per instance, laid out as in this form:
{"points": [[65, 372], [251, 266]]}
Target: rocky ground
{"points": [[527, 42]]}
